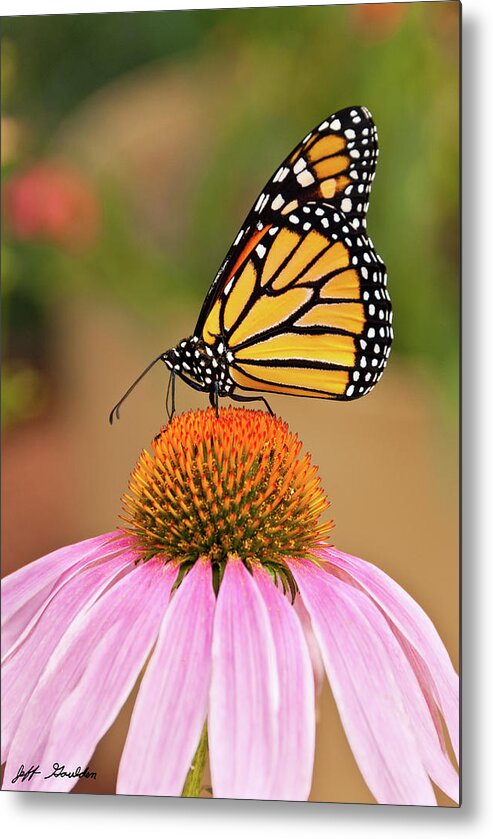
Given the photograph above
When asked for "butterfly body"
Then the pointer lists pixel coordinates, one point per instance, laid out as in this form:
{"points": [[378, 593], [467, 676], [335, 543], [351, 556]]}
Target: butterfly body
{"points": [[300, 304]]}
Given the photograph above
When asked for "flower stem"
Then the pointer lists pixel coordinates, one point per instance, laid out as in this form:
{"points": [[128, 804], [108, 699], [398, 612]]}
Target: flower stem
{"points": [[192, 785]]}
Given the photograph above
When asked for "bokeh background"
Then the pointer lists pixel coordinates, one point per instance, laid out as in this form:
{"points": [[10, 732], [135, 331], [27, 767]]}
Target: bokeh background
{"points": [[132, 147]]}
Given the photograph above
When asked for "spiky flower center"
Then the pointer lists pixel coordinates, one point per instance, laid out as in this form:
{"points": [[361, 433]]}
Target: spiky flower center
{"points": [[233, 485]]}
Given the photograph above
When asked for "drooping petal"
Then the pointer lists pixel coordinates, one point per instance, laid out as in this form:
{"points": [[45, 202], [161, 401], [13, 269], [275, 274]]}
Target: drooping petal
{"points": [[26, 590], [89, 677], [427, 726], [171, 707], [367, 671], [293, 777], [416, 626], [23, 668], [244, 700]]}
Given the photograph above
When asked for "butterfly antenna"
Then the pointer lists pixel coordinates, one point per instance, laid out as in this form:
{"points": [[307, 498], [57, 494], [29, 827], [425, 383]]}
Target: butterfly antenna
{"points": [[115, 412]]}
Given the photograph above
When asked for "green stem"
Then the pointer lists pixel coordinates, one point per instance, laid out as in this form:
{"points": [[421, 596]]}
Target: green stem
{"points": [[192, 785]]}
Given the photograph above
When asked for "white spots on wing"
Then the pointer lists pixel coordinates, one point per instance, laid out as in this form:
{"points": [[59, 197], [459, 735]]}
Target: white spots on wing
{"points": [[238, 238], [325, 222], [281, 173], [299, 165], [350, 390], [294, 219], [262, 201], [306, 225], [261, 250], [323, 125], [335, 125], [350, 134], [346, 205], [277, 202], [354, 153], [305, 178]]}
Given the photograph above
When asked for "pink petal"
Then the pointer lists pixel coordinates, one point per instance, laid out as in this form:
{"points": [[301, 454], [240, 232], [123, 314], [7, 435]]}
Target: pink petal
{"points": [[89, 677], [416, 626], [293, 777], [171, 707], [244, 701], [313, 649], [22, 620], [428, 729], [23, 668], [367, 671], [24, 591]]}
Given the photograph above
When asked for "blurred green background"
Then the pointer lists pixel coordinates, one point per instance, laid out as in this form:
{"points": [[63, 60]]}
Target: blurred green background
{"points": [[244, 86], [133, 146]]}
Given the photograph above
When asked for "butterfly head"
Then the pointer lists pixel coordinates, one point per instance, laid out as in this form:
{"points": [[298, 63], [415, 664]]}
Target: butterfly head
{"points": [[203, 367]]}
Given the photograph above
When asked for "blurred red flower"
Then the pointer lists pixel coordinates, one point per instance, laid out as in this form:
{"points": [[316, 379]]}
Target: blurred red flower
{"points": [[52, 202], [377, 20]]}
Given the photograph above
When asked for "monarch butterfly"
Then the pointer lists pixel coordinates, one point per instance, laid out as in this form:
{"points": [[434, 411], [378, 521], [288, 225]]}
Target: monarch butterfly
{"points": [[300, 304]]}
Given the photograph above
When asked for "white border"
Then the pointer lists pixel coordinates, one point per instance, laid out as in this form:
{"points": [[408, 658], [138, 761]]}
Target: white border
{"points": [[31, 7], [39, 815]]}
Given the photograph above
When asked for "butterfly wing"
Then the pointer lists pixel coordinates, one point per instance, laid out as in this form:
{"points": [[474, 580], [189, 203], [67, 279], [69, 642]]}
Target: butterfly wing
{"points": [[308, 311], [300, 301]]}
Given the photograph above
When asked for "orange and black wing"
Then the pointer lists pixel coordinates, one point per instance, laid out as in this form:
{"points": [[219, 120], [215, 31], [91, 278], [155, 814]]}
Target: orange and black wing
{"points": [[300, 302], [308, 312]]}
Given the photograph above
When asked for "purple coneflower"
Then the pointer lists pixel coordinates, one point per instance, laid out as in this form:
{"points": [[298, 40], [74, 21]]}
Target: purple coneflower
{"points": [[223, 587]]}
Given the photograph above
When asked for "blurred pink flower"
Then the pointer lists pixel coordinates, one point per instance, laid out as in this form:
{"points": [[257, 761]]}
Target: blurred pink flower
{"points": [[51, 202], [223, 642]]}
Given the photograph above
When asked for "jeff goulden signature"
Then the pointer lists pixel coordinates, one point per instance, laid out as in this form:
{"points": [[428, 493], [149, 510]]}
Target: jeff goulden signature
{"points": [[58, 771]]}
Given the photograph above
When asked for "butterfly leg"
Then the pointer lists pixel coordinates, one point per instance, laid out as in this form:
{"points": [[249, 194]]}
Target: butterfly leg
{"points": [[214, 398], [171, 392], [238, 398]]}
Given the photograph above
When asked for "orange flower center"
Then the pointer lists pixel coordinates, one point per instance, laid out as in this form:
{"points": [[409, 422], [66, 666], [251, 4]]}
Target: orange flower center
{"points": [[237, 484]]}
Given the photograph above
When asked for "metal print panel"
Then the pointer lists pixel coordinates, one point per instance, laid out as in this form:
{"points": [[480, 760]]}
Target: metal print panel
{"points": [[239, 228]]}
